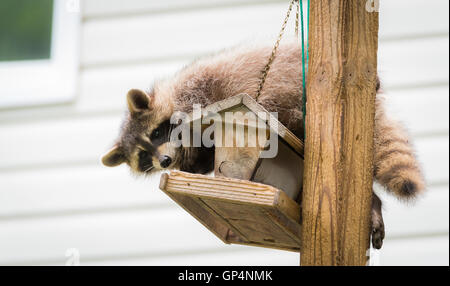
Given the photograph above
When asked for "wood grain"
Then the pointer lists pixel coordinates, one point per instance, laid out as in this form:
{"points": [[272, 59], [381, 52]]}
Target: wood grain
{"points": [[238, 211], [339, 139]]}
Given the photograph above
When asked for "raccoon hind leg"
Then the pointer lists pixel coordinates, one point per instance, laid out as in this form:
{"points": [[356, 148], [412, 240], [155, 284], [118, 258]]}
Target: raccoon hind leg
{"points": [[377, 223]]}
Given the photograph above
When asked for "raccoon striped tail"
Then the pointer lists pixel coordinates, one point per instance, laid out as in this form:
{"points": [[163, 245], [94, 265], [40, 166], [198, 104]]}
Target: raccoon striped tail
{"points": [[396, 167]]}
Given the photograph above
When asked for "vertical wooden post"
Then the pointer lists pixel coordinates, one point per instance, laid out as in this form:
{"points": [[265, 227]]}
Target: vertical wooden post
{"points": [[343, 41]]}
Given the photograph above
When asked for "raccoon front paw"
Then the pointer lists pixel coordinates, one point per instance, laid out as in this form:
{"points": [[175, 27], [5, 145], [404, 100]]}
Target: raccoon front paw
{"points": [[377, 232]]}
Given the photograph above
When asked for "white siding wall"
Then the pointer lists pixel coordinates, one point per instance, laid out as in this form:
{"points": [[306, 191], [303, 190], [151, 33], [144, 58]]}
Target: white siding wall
{"points": [[54, 194]]}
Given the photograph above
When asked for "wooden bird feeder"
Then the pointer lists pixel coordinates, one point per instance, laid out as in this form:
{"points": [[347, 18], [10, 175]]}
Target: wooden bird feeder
{"points": [[253, 198]]}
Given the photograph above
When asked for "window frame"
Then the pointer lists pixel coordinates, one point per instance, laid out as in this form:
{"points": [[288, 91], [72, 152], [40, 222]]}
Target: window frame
{"points": [[49, 81]]}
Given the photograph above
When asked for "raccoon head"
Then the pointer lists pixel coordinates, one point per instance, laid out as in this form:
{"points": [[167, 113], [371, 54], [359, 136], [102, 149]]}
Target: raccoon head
{"points": [[144, 141]]}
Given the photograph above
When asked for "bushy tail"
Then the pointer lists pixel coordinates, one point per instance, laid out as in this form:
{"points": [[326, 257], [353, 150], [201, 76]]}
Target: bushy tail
{"points": [[396, 167]]}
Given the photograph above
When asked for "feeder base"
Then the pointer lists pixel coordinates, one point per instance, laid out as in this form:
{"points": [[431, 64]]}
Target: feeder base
{"points": [[237, 211]]}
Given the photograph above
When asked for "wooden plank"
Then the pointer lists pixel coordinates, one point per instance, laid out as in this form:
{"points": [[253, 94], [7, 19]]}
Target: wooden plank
{"points": [[282, 131], [338, 170], [236, 101], [251, 224], [238, 163], [232, 190], [255, 213], [196, 208], [224, 189], [237, 151]]}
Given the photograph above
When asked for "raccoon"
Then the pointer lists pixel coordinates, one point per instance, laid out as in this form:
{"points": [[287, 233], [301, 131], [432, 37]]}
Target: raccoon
{"points": [[144, 145]]}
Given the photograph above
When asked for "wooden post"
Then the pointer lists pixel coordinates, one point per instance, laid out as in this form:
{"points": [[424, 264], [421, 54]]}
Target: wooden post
{"points": [[343, 43]]}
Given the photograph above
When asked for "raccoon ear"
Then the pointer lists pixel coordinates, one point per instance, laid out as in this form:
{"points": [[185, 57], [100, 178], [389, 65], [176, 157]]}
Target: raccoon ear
{"points": [[114, 157], [138, 101]]}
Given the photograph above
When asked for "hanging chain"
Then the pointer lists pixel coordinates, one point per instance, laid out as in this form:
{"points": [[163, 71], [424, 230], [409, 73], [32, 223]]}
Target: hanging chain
{"points": [[266, 69]]}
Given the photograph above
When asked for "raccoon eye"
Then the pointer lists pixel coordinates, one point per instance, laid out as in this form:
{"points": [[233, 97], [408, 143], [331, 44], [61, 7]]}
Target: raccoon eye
{"points": [[155, 134], [143, 154]]}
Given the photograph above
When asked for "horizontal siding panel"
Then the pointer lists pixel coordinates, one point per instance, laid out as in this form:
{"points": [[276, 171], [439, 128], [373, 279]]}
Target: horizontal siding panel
{"points": [[432, 251], [412, 18], [430, 12], [429, 214], [426, 251], [160, 36], [231, 256], [66, 141], [117, 8], [414, 63], [95, 95], [159, 237], [105, 236], [77, 189], [228, 256], [420, 110], [433, 154]]}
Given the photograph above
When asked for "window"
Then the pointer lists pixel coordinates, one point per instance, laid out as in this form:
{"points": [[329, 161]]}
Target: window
{"points": [[38, 52]]}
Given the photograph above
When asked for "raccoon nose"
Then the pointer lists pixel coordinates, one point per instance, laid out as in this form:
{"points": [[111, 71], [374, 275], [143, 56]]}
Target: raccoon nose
{"points": [[165, 161]]}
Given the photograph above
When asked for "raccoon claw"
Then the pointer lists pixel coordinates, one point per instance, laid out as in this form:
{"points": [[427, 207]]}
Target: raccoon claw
{"points": [[377, 233]]}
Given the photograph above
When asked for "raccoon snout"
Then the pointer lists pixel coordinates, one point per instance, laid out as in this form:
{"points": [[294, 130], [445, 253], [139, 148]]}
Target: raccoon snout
{"points": [[165, 161]]}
